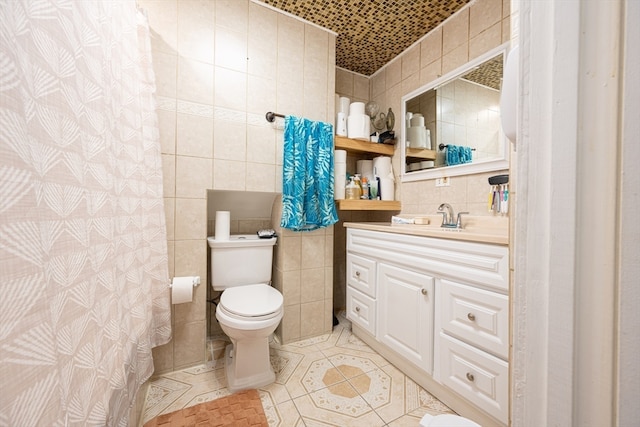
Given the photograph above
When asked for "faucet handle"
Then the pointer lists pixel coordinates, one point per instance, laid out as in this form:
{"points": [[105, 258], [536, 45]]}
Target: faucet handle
{"points": [[459, 220]]}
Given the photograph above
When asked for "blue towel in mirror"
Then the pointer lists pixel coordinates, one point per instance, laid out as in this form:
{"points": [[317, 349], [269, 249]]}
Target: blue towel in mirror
{"points": [[307, 175], [457, 155]]}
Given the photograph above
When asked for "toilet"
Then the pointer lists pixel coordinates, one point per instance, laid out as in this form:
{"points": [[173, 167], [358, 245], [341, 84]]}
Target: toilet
{"points": [[446, 420], [249, 309]]}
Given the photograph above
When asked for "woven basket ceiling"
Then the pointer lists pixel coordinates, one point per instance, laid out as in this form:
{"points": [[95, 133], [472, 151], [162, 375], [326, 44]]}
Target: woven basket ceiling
{"points": [[372, 32]]}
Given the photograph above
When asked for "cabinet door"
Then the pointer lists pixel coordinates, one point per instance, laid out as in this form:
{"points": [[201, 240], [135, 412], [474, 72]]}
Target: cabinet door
{"points": [[405, 313]]}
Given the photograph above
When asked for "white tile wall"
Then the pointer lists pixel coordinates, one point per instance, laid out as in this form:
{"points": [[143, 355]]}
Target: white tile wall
{"points": [[220, 66]]}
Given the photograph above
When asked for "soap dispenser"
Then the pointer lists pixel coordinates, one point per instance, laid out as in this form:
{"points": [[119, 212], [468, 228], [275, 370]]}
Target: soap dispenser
{"points": [[352, 191]]}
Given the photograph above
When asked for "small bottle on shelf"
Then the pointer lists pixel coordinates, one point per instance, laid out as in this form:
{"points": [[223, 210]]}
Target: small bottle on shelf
{"points": [[358, 182], [365, 188], [352, 191]]}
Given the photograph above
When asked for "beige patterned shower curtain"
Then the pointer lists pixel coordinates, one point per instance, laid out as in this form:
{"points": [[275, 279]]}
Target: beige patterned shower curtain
{"points": [[83, 258]]}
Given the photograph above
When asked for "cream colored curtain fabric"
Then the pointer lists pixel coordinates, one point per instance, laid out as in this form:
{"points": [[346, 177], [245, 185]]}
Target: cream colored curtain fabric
{"points": [[83, 259]]}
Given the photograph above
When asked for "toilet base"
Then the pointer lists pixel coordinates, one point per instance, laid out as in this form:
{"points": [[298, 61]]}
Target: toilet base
{"points": [[248, 366]]}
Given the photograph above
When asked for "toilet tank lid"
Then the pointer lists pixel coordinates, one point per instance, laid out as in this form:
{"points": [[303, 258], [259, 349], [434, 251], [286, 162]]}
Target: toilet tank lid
{"points": [[241, 240]]}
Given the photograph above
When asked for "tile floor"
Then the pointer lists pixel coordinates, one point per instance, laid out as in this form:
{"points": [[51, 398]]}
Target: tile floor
{"points": [[331, 380]]}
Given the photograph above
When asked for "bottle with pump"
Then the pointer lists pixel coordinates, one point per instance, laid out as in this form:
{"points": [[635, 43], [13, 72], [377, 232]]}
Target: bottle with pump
{"points": [[358, 182], [351, 190]]}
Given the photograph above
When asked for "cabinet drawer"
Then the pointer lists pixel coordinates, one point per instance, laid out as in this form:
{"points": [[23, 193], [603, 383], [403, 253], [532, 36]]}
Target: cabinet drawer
{"points": [[476, 316], [361, 310], [361, 274], [477, 376]]}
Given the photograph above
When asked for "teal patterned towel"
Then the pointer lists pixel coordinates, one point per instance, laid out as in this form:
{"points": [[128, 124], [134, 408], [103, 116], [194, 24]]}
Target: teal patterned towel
{"points": [[457, 155], [307, 175]]}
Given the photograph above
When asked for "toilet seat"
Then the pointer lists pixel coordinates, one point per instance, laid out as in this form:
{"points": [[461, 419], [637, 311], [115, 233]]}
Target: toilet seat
{"points": [[251, 302]]}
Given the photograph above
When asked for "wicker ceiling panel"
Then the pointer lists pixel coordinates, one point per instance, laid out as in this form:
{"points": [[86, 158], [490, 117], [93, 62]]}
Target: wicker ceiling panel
{"points": [[372, 32]]}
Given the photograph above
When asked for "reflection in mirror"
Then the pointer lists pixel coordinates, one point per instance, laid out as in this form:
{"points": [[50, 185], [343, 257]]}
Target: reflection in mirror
{"points": [[452, 126]]}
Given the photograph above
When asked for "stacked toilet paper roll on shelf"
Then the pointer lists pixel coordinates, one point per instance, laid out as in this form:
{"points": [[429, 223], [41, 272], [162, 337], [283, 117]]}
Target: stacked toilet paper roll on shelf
{"points": [[339, 174], [342, 111], [383, 170], [223, 225], [357, 122], [365, 169], [418, 136]]}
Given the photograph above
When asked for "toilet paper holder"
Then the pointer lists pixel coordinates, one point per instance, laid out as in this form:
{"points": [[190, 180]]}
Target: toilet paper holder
{"points": [[195, 281]]}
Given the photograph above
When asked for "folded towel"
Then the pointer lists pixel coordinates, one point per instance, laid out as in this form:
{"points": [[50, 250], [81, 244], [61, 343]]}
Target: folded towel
{"points": [[457, 155], [307, 175]]}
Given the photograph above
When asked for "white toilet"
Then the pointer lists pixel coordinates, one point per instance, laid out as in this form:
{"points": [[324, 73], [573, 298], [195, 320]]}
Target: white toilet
{"points": [[249, 309], [446, 420]]}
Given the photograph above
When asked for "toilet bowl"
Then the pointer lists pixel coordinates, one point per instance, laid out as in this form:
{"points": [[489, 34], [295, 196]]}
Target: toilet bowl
{"points": [[446, 420], [248, 315], [249, 310]]}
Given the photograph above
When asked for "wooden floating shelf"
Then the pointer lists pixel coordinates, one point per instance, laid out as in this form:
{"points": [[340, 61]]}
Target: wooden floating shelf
{"points": [[420, 153], [357, 146], [368, 205]]}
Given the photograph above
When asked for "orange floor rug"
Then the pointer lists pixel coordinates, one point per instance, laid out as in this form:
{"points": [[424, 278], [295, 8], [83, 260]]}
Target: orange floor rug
{"points": [[242, 409]]}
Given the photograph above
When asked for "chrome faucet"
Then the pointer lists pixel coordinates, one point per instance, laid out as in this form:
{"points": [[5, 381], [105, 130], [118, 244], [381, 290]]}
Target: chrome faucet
{"points": [[448, 217]]}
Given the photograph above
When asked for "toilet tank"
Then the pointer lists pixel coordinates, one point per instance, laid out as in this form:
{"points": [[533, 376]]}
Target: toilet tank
{"points": [[244, 259]]}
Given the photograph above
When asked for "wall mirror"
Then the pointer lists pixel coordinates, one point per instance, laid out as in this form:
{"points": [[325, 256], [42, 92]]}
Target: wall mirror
{"points": [[451, 126]]}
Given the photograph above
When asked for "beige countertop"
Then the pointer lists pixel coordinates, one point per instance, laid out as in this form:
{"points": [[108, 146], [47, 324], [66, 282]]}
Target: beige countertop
{"points": [[476, 229]]}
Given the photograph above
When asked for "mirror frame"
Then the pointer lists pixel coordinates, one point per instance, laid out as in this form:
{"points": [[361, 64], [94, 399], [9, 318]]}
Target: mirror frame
{"points": [[499, 163]]}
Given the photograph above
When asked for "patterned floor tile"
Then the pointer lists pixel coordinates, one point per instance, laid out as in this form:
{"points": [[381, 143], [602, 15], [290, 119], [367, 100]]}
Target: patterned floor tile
{"points": [[337, 405], [162, 393], [333, 380]]}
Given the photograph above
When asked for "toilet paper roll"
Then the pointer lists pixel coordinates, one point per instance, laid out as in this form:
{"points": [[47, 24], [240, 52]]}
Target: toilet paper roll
{"points": [[418, 136], [413, 137], [341, 124], [182, 290], [427, 164], [366, 130], [417, 120], [344, 105], [223, 225], [356, 108], [355, 126], [339, 181], [364, 167], [387, 191], [382, 166], [340, 156]]}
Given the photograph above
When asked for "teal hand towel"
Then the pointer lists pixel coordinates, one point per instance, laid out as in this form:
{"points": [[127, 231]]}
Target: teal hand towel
{"points": [[457, 155], [307, 175], [452, 155]]}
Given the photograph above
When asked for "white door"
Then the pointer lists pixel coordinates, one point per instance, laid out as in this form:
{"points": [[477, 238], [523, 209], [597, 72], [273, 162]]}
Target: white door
{"points": [[405, 313]]}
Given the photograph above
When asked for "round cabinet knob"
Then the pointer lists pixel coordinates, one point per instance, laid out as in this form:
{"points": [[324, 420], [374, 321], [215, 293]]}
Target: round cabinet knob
{"points": [[470, 376], [423, 291], [471, 317], [357, 274], [358, 309]]}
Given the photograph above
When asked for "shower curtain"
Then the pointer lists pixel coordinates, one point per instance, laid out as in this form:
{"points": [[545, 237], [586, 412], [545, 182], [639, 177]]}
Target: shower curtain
{"points": [[83, 255]]}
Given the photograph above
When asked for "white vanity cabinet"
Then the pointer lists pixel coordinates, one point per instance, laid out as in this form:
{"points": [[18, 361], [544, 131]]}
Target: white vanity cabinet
{"points": [[439, 310]]}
